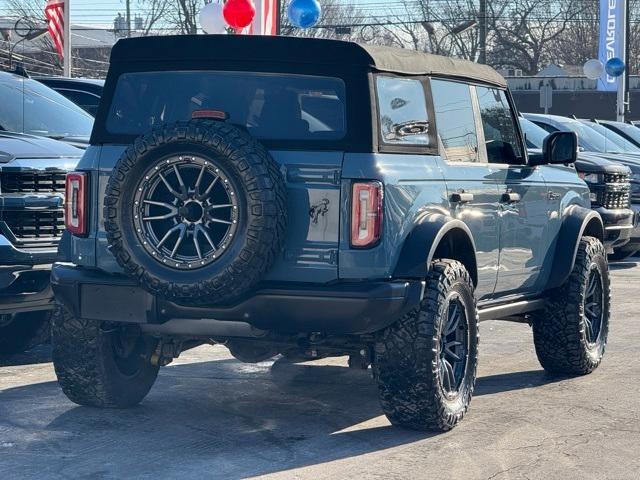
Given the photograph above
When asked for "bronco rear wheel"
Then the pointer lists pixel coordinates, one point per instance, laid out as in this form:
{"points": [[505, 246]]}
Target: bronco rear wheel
{"points": [[196, 211], [425, 364], [101, 364]]}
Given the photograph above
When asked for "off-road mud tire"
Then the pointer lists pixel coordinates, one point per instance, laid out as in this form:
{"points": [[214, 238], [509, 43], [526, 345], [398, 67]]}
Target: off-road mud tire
{"points": [[406, 360], [559, 331], [84, 361]]}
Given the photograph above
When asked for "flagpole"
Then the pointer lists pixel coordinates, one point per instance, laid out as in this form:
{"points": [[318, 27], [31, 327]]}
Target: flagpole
{"points": [[67, 38], [622, 80]]}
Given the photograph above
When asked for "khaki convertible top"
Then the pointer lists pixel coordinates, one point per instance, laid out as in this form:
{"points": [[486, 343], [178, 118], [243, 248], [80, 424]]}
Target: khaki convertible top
{"points": [[181, 49]]}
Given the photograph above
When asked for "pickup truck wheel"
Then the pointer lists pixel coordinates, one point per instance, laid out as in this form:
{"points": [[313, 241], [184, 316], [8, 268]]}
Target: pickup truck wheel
{"points": [[20, 331], [570, 335], [425, 363], [196, 212], [99, 364]]}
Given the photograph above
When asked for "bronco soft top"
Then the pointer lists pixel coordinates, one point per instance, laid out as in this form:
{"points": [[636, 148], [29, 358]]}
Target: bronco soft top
{"points": [[264, 49]]}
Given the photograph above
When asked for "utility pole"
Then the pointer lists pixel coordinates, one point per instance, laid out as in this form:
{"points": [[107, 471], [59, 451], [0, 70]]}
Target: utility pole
{"points": [[66, 49], [627, 43], [622, 79], [128, 4], [482, 17]]}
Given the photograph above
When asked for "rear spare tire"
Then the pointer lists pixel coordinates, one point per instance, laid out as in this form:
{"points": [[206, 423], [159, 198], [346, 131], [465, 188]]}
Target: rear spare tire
{"points": [[196, 211]]}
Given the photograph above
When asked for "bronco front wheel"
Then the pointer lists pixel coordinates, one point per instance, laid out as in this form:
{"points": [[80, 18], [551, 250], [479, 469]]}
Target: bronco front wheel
{"points": [[425, 364], [570, 334], [101, 364]]}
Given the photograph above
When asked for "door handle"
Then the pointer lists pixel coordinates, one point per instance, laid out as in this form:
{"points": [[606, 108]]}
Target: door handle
{"points": [[461, 197], [510, 197]]}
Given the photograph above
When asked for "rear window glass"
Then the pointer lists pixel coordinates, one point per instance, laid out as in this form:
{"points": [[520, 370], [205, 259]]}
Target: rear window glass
{"points": [[269, 106]]}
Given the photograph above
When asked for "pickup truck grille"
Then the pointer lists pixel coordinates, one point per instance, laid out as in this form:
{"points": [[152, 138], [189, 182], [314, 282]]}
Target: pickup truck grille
{"points": [[616, 178], [32, 182], [613, 200], [41, 227]]}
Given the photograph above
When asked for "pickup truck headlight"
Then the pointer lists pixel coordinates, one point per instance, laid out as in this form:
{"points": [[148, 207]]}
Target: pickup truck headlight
{"points": [[593, 178]]}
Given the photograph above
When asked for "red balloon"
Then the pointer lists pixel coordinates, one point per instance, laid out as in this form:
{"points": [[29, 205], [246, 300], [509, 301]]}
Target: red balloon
{"points": [[239, 13]]}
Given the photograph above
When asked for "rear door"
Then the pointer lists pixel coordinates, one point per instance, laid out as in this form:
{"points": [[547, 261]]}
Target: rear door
{"points": [[471, 182]]}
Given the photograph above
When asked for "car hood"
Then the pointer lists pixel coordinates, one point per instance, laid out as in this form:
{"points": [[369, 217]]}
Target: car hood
{"points": [[629, 160], [18, 145], [589, 162]]}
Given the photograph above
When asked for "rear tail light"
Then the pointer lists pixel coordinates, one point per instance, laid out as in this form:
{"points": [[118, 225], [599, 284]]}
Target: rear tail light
{"points": [[366, 214], [75, 205]]}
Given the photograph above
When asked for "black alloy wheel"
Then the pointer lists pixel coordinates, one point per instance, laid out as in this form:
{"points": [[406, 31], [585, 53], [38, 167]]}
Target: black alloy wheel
{"points": [[185, 212], [454, 347]]}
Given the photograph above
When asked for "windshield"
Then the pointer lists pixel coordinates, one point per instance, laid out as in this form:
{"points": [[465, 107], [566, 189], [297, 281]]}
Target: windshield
{"points": [[27, 106], [629, 130], [269, 106], [534, 134], [622, 143], [589, 139]]}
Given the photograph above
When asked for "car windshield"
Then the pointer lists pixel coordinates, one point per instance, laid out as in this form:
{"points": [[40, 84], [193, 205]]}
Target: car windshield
{"points": [[269, 106], [27, 106], [625, 145], [629, 130], [534, 134], [591, 140]]}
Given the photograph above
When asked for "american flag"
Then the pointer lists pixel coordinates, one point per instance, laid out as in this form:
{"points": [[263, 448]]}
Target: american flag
{"points": [[54, 13], [266, 20]]}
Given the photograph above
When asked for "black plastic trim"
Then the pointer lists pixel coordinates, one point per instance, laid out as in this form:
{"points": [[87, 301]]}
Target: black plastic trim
{"points": [[340, 308]]}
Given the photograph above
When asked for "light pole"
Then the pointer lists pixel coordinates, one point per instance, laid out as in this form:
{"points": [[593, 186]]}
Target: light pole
{"points": [[456, 30]]}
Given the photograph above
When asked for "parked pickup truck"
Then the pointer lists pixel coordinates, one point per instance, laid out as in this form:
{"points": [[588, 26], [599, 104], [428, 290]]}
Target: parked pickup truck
{"points": [[283, 195], [32, 176], [609, 190]]}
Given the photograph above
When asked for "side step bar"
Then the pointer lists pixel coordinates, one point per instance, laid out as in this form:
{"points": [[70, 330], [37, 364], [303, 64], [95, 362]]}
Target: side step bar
{"points": [[511, 311]]}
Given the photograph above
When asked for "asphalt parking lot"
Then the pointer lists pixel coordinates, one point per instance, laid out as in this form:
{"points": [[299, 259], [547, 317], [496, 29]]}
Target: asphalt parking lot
{"points": [[209, 416]]}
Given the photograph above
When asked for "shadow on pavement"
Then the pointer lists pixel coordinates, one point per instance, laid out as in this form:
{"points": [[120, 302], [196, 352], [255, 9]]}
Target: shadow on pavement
{"points": [[40, 354], [220, 418]]}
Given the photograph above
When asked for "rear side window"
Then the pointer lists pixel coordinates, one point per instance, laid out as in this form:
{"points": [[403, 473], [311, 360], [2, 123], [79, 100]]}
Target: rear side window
{"points": [[403, 111], [268, 106], [499, 125], [455, 120]]}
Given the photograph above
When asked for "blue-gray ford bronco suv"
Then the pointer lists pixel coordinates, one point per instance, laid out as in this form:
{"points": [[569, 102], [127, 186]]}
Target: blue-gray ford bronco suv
{"points": [[316, 198]]}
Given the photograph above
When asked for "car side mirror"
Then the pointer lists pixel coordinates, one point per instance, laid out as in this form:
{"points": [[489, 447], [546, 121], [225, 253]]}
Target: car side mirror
{"points": [[558, 148]]}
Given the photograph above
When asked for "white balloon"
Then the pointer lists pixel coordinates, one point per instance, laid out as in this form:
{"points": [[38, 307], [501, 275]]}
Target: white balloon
{"points": [[211, 18], [593, 69]]}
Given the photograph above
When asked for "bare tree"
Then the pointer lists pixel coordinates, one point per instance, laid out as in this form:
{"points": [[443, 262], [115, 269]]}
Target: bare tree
{"points": [[525, 32], [446, 28], [155, 13], [31, 13], [335, 13]]}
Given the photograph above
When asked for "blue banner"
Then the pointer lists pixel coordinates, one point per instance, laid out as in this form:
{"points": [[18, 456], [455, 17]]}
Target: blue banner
{"points": [[611, 27]]}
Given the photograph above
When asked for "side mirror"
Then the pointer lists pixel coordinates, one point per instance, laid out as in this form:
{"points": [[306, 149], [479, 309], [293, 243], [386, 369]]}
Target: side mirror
{"points": [[557, 148]]}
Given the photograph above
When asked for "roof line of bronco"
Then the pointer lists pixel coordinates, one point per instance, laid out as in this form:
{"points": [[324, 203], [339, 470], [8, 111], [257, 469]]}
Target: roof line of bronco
{"points": [[186, 48]]}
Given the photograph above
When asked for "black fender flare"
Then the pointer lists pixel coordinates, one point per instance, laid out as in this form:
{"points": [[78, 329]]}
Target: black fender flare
{"points": [[578, 222], [421, 244]]}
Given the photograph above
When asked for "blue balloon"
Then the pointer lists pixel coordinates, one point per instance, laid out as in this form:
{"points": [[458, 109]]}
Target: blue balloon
{"points": [[614, 67], [304, 13]]}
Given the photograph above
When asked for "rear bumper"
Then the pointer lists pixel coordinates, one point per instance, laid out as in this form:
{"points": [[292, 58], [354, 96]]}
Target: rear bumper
{"points": [[341, 308], [24, 279]]}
